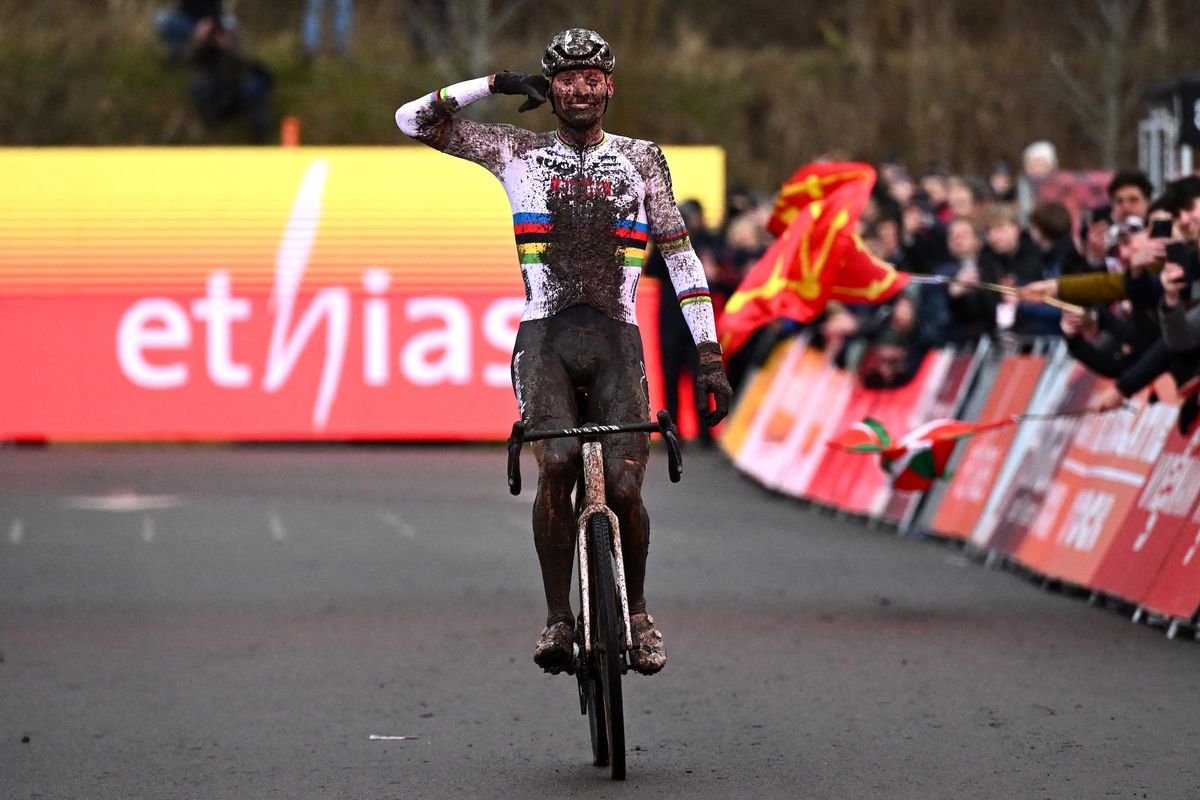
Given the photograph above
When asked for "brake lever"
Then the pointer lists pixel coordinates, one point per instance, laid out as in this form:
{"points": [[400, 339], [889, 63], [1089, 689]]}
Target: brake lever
{"points": [[670, 435], [515, 440]]}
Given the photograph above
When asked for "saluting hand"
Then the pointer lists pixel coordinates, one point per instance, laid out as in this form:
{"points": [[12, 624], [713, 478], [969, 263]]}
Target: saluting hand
{"points": [[534, 87]]}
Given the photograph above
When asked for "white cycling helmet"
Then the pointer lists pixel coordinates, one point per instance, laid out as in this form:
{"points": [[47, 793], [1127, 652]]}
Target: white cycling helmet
{"points": [[577, 48]]}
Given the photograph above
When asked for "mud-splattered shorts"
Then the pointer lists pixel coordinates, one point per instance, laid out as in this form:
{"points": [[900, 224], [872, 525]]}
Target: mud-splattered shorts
{"points": [[582, 348]]}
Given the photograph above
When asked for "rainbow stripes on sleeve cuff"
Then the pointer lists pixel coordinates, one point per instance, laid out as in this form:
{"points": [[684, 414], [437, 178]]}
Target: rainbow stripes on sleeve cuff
{"points": [[673, 241], [689, 296]]}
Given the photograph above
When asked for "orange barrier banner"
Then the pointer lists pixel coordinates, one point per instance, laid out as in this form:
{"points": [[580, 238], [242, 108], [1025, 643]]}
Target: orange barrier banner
{"points": [[828, 388], [736, 432], [264, 294], [1156, 520], [766, 445], [796, 421], [983, 456]]}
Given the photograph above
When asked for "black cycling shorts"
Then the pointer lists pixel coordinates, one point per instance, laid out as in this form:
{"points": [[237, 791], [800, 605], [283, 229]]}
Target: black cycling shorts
{"points": [[583, 348]]}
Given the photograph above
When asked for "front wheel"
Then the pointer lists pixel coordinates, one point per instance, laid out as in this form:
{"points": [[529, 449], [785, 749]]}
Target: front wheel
{"points": [[606, 714]]}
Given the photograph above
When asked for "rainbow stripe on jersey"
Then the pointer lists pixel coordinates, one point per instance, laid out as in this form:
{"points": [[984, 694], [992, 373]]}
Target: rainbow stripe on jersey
{"points": [[534, 232]]}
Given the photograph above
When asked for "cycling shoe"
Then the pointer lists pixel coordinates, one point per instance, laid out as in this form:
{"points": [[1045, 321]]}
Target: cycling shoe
{"points": [[555, 649], [648, 655]]}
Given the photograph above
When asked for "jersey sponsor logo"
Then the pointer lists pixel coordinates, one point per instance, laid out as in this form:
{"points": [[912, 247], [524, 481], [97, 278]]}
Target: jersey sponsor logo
{"points": [[575, 186]]}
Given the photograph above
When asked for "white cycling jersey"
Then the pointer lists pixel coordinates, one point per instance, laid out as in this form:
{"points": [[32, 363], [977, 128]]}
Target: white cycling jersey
{"points": [[581, 217]]}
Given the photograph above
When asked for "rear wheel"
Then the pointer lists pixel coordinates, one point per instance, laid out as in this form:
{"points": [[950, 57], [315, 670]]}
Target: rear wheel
{"points": [[605, 710]]}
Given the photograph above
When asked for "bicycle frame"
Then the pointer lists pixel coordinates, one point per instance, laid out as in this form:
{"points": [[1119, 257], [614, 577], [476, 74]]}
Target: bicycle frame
{"points": [[594, 503]]}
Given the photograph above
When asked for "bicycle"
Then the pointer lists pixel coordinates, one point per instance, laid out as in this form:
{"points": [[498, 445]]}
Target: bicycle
{"points": [[603, 637]]}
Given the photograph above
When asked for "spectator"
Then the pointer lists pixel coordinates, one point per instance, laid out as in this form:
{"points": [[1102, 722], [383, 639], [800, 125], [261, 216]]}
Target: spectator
{"points": [[1094, 236], [1038, 162], [1181, 331], [227, 84], [177, 28], [1129, 194], [746, 239], [972, 313], [965, 197], [924, 240], [1011, 258], [933, 194], [310, 34], [1004, 190], [1050, 229], [895, 344]]}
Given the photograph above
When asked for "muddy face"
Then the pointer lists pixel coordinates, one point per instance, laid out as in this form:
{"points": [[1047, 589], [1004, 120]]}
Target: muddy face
{"points": [[580, 97]]}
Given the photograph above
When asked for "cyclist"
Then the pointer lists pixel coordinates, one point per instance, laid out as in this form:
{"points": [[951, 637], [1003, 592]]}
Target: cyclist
{"points": [[584, 204]]}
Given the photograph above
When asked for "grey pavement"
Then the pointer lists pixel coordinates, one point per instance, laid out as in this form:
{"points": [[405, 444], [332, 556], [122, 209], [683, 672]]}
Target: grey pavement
{"points": [[237, 622]]}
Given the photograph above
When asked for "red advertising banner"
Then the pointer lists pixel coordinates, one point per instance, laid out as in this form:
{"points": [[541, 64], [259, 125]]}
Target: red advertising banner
{"points": [[1028, 497], [942, 401], [191, 293], [1101, 476], [983, 456], [1176, 588], [854, 482], [1154, 523]]}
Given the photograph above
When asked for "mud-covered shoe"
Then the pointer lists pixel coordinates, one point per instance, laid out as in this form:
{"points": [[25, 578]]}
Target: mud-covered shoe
{"points": [[555, 650], [648, 655]]}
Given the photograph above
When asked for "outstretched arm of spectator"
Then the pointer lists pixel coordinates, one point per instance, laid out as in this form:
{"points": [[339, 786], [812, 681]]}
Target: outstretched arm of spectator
{"points": [[1142, 372], [1088, 289], [1180, 328]]}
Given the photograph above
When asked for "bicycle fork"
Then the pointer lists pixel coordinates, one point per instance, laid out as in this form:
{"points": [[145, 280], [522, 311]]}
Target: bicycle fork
{"points": [[594, 503]]}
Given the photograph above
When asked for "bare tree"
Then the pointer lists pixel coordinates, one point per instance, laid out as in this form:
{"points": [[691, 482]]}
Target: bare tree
{"points": [[1102, 95], [460, 35]]}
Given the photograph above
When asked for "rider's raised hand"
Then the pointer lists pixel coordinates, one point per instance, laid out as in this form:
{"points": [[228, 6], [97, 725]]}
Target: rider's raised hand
{"points": [[711, 380], [534, 87]]}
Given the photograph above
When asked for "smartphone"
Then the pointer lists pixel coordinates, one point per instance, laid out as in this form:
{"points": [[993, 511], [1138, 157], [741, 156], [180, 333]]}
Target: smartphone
{"points": [[1161, 229], [1179, 253], [1184, 254]]}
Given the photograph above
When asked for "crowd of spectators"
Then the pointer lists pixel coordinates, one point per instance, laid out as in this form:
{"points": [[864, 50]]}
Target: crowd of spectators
{"points": [[1130, 264]]}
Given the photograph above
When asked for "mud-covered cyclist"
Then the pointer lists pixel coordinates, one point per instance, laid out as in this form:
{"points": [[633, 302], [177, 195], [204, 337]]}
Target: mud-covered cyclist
{"points": [[584, 204]]}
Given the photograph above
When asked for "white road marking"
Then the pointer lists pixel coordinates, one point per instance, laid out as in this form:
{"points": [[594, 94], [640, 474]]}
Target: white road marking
{"points": [[278, 532], [374, 737], [147, 529], [123, 502], [16, 532]]}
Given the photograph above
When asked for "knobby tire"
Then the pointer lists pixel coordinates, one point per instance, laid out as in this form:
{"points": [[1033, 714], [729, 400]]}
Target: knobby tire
{"points": [[606, 713]]}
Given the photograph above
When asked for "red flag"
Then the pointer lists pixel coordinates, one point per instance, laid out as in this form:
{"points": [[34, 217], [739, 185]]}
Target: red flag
{"points": [[921, 456], [814, 182], [818, 256]]}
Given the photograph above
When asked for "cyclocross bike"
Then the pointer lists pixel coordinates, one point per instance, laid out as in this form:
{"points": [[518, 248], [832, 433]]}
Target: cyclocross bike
{"points": [[602, 633]]}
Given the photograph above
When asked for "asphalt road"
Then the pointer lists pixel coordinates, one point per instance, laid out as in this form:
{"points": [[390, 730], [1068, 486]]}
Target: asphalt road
{"points": [[218, 622]]}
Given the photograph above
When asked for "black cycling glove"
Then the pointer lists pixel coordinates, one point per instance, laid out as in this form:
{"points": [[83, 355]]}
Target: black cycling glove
{"points": [[711, 380], [534, 87]]}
